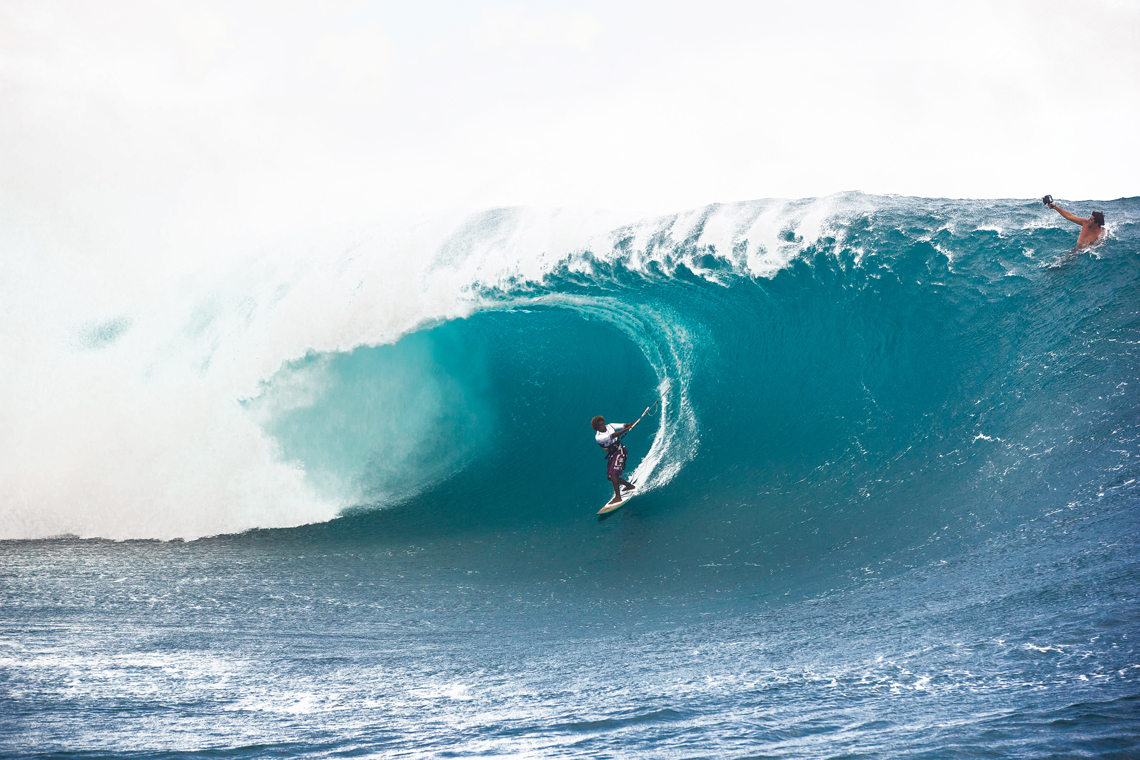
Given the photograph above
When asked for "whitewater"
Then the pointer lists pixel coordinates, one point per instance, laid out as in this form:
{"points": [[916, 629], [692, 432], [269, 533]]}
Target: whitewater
{"points": [[336, 495]]}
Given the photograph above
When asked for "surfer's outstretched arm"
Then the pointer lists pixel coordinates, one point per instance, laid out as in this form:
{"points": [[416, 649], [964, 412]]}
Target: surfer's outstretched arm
{"points": [[628, 427]]}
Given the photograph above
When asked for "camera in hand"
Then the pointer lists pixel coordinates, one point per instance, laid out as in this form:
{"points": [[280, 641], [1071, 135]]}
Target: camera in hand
{"points": [[1047, 199]]}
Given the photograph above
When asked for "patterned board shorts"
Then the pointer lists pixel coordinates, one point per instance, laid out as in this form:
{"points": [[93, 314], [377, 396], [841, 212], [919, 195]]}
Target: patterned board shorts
{"points": [[615, 463]]}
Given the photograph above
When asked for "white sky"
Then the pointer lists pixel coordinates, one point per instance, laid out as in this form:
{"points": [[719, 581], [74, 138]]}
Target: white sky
{"points": [[182, 127]]}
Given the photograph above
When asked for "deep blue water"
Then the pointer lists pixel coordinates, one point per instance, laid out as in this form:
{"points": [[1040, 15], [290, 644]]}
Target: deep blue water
{"points": [[890, 510]]}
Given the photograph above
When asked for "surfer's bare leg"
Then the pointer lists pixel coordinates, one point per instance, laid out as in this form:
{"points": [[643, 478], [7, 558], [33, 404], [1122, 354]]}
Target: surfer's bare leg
{"points": [[624, 484], [617, 493]]}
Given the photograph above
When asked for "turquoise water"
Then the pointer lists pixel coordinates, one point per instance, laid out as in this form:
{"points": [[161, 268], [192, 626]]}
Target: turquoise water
{"points": [[889, 510]]}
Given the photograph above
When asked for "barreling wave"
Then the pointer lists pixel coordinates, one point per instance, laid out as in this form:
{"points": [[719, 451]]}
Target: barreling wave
{"points": [[853, 376]]}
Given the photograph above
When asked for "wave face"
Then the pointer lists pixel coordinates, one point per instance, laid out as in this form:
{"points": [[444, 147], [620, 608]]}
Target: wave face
{"points": [[874, 383], [848, 377]]}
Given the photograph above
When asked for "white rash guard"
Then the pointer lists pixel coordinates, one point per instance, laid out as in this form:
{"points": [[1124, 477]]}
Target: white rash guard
{"points": [[606, 438]]}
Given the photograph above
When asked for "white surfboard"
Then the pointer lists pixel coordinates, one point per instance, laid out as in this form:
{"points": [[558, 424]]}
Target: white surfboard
{"points": [[611, 506]]}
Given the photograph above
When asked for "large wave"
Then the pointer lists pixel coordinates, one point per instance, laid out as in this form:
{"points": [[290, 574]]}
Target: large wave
{"points": [[852, 376]]}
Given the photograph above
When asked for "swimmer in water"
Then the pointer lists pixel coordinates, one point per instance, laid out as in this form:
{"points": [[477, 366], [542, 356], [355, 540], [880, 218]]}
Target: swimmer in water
{"points": [[1092, 229]]}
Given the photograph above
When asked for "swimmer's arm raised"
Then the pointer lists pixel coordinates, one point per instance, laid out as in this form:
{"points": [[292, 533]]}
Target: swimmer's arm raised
{"points": [[1071, 217]]}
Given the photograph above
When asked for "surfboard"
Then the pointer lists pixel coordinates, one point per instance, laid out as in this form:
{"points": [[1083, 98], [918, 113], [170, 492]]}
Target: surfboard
{"points": [[624, 498]]}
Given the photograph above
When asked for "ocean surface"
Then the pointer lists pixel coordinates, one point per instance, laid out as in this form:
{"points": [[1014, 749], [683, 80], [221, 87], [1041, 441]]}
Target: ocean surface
{"points": [[339, 499]]}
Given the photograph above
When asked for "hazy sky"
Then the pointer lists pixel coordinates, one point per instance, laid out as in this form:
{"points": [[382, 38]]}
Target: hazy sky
{"points": [[180, 126]]}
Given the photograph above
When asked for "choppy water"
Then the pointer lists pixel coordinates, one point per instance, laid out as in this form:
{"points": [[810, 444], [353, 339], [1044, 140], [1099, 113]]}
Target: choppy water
{"points": [[890, 509]]}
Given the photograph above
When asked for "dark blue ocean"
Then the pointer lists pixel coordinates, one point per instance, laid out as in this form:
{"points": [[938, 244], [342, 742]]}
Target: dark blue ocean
{"points": [[890, 507]]}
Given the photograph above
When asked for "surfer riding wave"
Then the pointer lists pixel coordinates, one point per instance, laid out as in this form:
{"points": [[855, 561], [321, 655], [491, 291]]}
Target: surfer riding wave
{"points": [[609, 438]]}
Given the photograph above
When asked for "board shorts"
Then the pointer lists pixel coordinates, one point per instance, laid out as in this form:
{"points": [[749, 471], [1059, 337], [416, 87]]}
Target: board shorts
{"points": [[615, 463]]}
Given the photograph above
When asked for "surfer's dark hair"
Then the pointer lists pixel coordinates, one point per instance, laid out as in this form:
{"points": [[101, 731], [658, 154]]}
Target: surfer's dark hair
{"points": [[1098, 217], [599, 420]]}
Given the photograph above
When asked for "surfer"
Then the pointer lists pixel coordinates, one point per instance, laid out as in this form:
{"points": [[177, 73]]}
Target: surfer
{"points": [[1092, 229], [609, 438]]}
